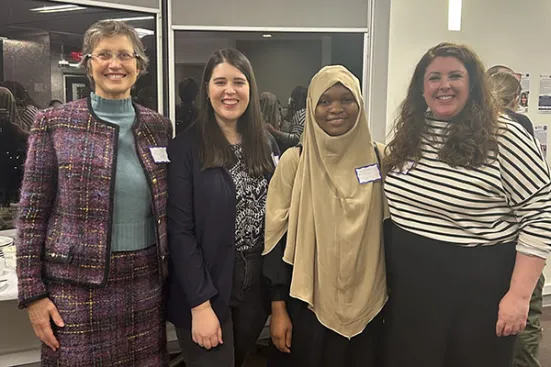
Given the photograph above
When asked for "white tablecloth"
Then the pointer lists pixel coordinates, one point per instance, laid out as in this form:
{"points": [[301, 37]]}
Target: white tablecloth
{"points": [[9, 293]]}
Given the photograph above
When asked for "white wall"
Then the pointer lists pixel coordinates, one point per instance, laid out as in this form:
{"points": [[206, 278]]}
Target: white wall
{"points": [[505, 32]]}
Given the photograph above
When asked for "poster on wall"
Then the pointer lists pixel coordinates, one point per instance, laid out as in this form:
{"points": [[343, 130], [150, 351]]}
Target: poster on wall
{"points": [[544, 98], [540, 133], [524, 93]]}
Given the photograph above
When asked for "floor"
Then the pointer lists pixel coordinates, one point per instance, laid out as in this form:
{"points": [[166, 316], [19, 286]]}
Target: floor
{"points": [[257, 360]]}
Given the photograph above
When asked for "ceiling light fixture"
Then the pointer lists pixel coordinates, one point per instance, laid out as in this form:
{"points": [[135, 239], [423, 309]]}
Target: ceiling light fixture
{"points": [[267, 35], [133, 18], [142, 32], [454, 15], [56, 9]]}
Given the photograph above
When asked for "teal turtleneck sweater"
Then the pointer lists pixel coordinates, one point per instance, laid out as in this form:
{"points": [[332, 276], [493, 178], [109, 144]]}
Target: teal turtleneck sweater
{"points": [[133, 223]]}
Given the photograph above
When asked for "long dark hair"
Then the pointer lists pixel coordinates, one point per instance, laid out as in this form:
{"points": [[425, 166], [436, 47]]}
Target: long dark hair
{"points": [[472, 136], [298, 101], [215, 149], [269, 106]]}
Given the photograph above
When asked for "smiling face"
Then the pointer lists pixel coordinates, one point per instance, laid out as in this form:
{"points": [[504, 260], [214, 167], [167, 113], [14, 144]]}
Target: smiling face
{"points": [[446, 87], [113, 78], [337, 110], [229, 93]]}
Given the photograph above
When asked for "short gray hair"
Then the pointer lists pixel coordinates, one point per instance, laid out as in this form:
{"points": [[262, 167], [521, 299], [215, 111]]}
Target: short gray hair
{"points": [[111, 28]]}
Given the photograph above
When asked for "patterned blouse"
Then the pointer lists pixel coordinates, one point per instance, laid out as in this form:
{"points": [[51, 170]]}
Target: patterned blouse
{"points": [[251, 204]]}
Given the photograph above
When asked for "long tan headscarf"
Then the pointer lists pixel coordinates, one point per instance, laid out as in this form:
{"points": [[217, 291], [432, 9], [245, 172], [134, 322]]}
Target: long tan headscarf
{"points": [[333, 223]]}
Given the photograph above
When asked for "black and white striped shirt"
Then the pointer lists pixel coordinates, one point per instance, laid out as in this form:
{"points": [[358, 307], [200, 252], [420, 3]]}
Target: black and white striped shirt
{"points": [[505, 200]]}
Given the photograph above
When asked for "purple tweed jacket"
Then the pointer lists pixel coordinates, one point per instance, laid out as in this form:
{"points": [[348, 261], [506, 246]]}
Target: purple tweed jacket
{"points": [[65, 211]]}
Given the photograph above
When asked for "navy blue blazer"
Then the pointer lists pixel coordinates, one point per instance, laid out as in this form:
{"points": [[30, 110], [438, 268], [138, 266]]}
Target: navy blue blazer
{"points": [[201, 232]]}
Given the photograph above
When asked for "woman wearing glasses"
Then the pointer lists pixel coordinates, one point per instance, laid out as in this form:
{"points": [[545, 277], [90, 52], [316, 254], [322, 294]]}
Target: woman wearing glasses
{"points": [[92, 239]]}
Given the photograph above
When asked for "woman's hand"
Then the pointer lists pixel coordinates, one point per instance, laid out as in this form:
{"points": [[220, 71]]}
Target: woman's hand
{"points": [[205, 327], [281, 328], [513, 313], [40, 313]]}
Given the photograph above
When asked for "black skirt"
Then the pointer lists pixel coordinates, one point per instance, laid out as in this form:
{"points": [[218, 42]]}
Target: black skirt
{"points": [[444, 301]]}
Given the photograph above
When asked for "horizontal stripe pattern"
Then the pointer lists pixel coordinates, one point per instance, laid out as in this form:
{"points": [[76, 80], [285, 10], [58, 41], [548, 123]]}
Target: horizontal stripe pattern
{"points": [[504, 200]]}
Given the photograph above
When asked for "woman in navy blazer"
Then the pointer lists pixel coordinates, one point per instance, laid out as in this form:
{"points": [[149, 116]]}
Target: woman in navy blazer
{"points": [[218, 181]]}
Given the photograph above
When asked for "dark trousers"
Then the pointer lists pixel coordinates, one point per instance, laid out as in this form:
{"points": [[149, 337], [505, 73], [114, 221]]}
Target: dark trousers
{"points": [[248, 313], [313, 345], [444, 302]]}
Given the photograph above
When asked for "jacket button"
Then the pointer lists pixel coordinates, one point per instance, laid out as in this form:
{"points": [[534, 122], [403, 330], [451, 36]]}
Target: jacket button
{"points": [[159, 221], [154, 181]]}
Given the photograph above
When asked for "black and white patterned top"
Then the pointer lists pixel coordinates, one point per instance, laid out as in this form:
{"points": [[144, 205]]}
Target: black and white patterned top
{"points": [[251, 204]]}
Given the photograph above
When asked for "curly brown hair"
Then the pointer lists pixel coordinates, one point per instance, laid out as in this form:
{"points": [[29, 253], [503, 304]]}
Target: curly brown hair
{"points": [[472, 136]]}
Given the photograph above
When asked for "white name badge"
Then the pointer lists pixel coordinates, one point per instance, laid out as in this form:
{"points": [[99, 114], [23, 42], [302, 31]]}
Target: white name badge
{"points": [[275, 158], [368, 174], [159, 154]]}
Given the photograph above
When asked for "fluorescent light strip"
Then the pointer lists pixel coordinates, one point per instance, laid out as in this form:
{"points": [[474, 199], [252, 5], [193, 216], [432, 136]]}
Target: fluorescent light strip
{"points": [[42, 8], [142, 32], [57, 9], [133, 18], [60, 11], [454, 15]]}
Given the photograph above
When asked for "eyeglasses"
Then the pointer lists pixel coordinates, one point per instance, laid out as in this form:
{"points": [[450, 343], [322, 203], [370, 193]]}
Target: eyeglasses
{"points": [[106, 56]]}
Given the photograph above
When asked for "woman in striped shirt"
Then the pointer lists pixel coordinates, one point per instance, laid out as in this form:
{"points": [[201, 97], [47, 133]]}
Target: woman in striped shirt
{"points": [[468, 193]]}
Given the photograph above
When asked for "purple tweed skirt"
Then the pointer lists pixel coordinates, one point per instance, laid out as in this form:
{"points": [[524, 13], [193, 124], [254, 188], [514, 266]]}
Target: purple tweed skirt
{"points": [[121, 324]]}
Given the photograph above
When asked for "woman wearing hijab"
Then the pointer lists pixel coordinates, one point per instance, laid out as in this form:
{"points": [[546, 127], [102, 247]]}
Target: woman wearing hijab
{"points": [[323, 247], [91, 240]]}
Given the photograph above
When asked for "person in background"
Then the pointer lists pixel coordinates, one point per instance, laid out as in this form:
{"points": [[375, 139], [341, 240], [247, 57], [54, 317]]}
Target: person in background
{"points": [[468, 193], [13, 141], [296, 114], [499, 69], [507, 90], [91, 239], [271, 113], [269, 106], [218, 180], [186, 112], [26, 106], [146, 98], [330, 317], [55, 103]]}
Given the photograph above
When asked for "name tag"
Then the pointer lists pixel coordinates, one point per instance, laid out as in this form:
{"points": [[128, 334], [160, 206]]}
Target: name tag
{"points": [[159, 154], [368, 174], [275, 158]]}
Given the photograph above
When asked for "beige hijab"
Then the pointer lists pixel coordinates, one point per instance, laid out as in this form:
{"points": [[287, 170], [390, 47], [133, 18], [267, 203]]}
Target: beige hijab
{"points": [[333, 223]]}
